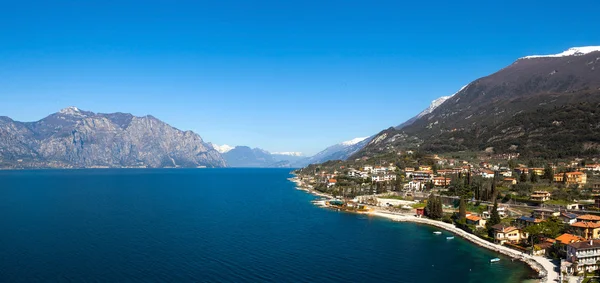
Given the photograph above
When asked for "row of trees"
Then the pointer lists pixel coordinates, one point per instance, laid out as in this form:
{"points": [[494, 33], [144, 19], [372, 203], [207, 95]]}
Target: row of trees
{"points": [[434, 209]]}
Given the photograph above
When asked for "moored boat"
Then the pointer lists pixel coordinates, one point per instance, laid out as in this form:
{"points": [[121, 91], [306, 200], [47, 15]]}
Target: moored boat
{"points": [[437, 232], [494, 260], [450, 238]]}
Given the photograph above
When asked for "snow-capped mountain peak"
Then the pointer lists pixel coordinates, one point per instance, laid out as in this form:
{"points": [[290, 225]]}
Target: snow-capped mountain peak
{"points": [[222, 148], [71, 110], [288, 153], [353, 141], [573, 51]]}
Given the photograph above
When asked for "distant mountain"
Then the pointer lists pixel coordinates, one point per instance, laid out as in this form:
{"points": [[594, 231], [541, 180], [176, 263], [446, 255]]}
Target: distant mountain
{"points": [[340, 151], [243, 156], [221, 148], [77, 138], [540, 106]]}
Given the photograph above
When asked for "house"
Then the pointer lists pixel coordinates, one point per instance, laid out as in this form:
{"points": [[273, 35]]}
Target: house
{"points": [[525, 221], [444, 172], [575, 206], [422, 175], [510, 181], [522, 170], [501, 212], [415, 185], [485, 173], [475, 220], [593, 167], [587, 226], [544, 213], [331, 182], [424, 168], [584, 255], [568, 218], [540, 196], [572, 178], [367, 168], [505, 172], [537, 171], [441, 181], [510, 234], [382, 177], [563, 240]]}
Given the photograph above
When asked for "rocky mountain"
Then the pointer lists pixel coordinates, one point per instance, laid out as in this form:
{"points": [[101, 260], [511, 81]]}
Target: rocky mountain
{"points": [[243, 156], [542, 105], [73, 138], [340, 151]]}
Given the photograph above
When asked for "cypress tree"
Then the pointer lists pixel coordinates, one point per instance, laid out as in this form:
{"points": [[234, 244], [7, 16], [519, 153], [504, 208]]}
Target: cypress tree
{"points": [[494, 217], [462, 209]]}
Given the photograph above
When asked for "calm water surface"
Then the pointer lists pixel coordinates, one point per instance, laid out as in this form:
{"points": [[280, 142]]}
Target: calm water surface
{"points": [[216, 225]]}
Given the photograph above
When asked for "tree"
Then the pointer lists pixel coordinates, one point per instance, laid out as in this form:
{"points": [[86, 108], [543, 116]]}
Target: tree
{"points": [[534, 177], [548, 173], [494, 216], [523, 178], [462, 209], [433, 209]]}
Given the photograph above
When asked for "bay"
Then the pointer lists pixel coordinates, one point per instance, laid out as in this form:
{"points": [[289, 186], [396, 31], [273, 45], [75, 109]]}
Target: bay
{"points": [[213, 225]]}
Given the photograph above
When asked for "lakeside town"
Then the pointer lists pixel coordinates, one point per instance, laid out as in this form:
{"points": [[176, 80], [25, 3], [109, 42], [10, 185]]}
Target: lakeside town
{"points": [[548, 211]]}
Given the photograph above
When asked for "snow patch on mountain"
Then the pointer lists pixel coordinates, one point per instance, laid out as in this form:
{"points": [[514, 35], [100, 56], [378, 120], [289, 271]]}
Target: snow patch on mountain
{"points": [[354, 141], [288, 153], [573, 51], [72, 111], [222, 148]]}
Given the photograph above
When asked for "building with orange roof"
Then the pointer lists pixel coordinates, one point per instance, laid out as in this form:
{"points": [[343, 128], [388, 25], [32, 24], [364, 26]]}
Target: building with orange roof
{"points": [[563, 240], [441, 181], [588, 218], [510, 234], [571, 178], [588, 230], [475, 220]]}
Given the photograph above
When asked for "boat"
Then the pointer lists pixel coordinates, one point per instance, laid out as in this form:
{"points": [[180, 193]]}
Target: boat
{"points": [[450, 238], [494, 260], [437, 232]]}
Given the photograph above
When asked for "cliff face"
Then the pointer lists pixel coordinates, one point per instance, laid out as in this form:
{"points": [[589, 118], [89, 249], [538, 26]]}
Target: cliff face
{"points": [[75, 138]]}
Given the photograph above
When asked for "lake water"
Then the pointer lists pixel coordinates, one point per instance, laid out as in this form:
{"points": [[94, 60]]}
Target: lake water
{"points": [[213, 225]]}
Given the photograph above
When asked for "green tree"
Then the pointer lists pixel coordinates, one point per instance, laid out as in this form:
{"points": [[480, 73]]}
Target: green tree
{"points": [[534, 177], [523, 178], [462, 209], [548, 173], [494, 216]]}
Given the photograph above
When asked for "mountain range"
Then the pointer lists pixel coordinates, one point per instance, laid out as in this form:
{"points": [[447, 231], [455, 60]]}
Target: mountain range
{"points": [[541, 105], [73, 138]]}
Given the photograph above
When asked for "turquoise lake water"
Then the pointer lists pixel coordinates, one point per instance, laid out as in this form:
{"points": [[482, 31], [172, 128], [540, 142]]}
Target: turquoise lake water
{"points": [[213, 225]]}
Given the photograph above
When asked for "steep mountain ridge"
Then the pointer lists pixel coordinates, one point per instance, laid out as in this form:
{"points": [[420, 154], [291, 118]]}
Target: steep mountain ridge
{"points": [[500, 112], [76, 138]]}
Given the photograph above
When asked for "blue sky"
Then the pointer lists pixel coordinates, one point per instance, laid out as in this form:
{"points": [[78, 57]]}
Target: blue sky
{"points": [[280, 75]]}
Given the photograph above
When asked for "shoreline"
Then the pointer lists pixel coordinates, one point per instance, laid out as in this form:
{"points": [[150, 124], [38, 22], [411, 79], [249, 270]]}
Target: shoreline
{"points": [[543, 266]]}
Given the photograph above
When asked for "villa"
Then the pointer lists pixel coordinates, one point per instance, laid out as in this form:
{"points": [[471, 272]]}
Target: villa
{"points": [[540, 196], [584, 255], [508, 234], [572, 178], [475, 220]]}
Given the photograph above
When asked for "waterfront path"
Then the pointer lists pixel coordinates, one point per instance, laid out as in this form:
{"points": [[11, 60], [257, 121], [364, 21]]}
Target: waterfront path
{"points": [[547, 270]]}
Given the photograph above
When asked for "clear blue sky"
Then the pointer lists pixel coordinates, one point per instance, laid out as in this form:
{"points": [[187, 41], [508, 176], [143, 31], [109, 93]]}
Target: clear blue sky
{"points": [[280, 75]]}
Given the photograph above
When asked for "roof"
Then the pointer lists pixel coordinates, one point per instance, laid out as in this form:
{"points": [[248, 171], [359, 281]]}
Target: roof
{"points": [[569, 238], [586, 244], [589, 217], [503, 228], [586, 225], [569, 215], [332, 180], [529, 219], [473, 218]]}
